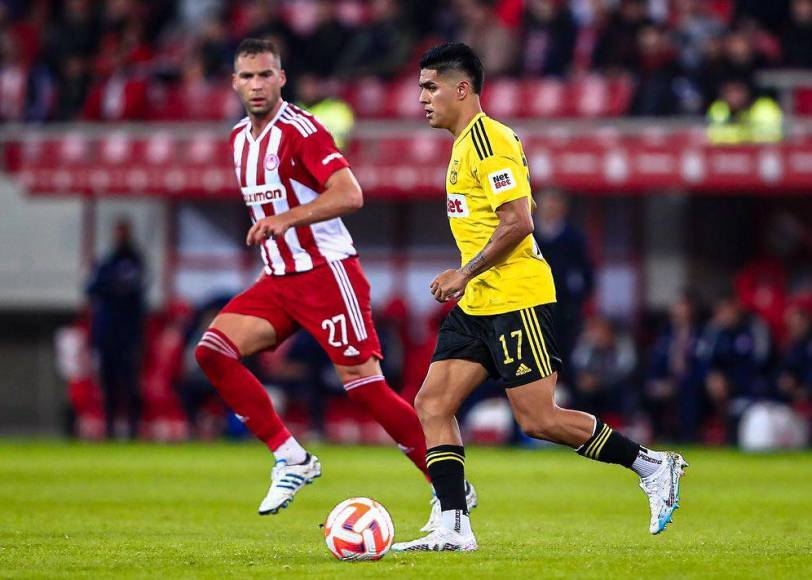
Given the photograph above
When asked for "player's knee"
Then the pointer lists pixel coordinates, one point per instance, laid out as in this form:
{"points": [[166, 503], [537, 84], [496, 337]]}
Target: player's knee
{"points": [[349, 374], [431, 407], [365, 370], [205, 357]]}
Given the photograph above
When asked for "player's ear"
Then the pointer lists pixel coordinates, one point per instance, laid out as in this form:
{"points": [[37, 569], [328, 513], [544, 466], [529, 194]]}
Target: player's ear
{"points": [[234, 81], [462, 89], [283, 78]]}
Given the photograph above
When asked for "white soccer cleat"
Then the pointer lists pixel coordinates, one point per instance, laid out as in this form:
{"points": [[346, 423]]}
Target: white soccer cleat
{"points": [[436, 515], [662, 489], [440, 540], [286, 481]]}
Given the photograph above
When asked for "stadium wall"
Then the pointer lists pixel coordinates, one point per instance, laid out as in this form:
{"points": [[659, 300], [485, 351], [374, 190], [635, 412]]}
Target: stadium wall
{"points": [[47, 245]]}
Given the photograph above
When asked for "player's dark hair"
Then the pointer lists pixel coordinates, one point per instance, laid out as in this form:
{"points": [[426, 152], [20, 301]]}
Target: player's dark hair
{"points": [[254, 46], [455, 56]]}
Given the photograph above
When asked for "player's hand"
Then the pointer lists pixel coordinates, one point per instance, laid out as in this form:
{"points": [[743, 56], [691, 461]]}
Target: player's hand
{"points": [[273, 226], [450, 285]]}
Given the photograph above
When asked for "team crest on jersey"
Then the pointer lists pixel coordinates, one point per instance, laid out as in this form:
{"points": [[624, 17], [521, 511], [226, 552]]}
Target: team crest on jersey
{"points": [[457, 205], [271, 162], [501, 181], [452, 177]]}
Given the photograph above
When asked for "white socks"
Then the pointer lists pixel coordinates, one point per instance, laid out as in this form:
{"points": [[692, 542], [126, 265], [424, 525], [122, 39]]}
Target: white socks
{"points": [[458, 521], [647, 462], [291, 452]]}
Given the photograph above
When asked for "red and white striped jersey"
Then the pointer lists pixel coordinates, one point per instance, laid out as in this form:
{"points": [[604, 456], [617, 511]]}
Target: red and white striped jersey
{"points": [[286, 166]]}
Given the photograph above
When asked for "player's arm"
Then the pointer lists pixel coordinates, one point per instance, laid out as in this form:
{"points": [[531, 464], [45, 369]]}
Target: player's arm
{"points": [[515, 224], [342, 195], [503, 179]]}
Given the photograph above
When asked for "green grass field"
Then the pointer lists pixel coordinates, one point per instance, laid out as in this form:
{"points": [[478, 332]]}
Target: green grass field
{"points": [[189, 511]]}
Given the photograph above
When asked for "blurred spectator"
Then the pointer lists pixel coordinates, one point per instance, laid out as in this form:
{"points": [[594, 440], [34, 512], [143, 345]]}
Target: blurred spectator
{"points": [[694, 27], [714, 68], [73, 84], [769, 13], [13, 81], [162, 416], [673, 388], [737, 116], [549, 38], [418, 347], [761, 287], [740, 55], [319, 49], [117, 15], [657, 72], [779, 268], [131, 50], [116, 294], [603, 362], [123, 38], [392, 326], [796, 38], [616, 48], [74, 364], [214, 49], [334, 113], [381, 47], [263, 19], [75, 33], [795, 369], [734, 352], [28, 29], [564, 247], [25, 84], [120, 96], [730, 57], [481, 29], [197, 96]]}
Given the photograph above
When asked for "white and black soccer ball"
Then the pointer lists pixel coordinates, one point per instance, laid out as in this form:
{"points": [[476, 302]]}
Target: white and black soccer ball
{"points": [[359, 528]]}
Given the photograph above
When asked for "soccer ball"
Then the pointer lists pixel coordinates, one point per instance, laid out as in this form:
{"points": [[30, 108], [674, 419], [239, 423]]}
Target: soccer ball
{"points": [[359, 528]]}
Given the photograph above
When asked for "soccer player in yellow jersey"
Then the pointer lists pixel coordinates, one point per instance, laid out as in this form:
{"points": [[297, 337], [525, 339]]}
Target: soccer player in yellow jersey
{"points": [[502, 325]]}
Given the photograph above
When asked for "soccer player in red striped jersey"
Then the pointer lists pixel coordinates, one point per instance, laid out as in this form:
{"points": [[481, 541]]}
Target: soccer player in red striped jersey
{"points": [[296, 184]]}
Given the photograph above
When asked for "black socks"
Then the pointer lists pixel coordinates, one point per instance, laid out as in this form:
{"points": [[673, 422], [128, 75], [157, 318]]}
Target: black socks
{"points": [[609, 446], [446, 465]]}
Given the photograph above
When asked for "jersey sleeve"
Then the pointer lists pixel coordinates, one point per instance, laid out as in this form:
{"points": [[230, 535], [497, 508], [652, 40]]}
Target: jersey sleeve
{"points": [[503, 176], [320, 157]]}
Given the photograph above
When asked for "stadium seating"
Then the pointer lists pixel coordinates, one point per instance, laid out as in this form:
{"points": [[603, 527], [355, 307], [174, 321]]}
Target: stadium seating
{"points": [[589, 96]]}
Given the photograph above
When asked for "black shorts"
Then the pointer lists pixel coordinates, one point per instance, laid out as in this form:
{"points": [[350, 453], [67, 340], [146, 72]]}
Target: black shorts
{"points": [[519, 347]]}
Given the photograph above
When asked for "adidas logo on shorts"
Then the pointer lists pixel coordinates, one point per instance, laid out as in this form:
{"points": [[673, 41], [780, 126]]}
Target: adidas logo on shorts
{"points": [[522, 370], [351, 351]]}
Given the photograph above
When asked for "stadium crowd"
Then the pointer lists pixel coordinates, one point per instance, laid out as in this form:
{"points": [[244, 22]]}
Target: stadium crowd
{"points": [[163, 60], [689, 373], [170, 60]]}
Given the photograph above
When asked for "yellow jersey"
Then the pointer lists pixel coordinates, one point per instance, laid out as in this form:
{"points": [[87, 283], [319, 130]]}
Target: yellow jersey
{"points": [[488, 168]]}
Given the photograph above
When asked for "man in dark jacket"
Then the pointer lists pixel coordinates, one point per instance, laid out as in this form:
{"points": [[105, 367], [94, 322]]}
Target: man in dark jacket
{"points": [[116, 294], [795, 368], [564, 247], [734, 353], [673, 389]]}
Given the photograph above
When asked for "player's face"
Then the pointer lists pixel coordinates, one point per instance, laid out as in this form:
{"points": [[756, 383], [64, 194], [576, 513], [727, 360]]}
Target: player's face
{"points": [[439, 97], [258, 80]]}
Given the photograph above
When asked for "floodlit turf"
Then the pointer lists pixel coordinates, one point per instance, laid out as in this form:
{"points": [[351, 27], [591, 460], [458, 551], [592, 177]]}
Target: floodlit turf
{"points": [[95, 511]]}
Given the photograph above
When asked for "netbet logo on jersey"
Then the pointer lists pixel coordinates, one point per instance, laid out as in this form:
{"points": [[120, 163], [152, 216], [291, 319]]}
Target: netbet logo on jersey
{"points": [[501, 181], [259, 194], [457, 205]]}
